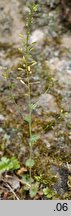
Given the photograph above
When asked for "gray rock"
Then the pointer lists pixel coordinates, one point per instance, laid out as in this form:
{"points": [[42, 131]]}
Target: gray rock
{"points": [[37, 36], [10, 26], [47, 103]]}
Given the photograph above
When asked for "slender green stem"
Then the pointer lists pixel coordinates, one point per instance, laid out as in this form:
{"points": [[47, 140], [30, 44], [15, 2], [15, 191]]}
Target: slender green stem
{"points": [[27, 49], [29, 88]]}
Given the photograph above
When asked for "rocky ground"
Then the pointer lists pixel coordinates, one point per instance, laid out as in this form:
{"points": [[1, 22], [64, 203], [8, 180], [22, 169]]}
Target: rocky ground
{"points": [[50, 88]]}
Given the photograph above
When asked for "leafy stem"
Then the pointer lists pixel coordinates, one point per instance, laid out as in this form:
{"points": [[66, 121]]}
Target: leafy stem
{"points": [[27, 49]]}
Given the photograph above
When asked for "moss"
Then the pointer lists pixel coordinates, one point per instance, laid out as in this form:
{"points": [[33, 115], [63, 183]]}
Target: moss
{"points": [[68, 125]]}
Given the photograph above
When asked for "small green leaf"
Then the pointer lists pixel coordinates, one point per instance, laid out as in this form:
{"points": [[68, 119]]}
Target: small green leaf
{"points": [[33, 106], [33, 139], [33, 43], [9, 164], [38, 178], [27, 118], [35, 7], [48, 192], [21, 35], [15, 163], [34, 189], [33, 63], [27, 182], [5, 75], [31, 48], [30, 163], [20, 50]]}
